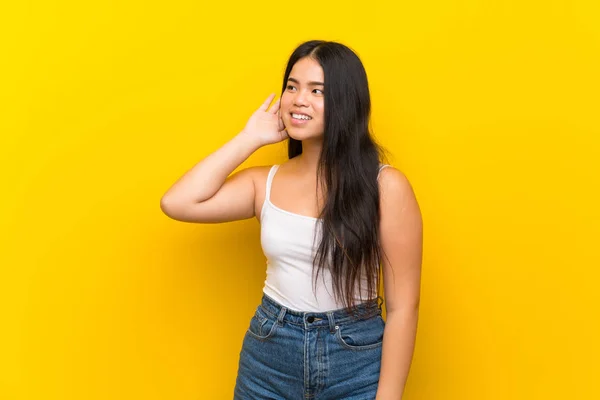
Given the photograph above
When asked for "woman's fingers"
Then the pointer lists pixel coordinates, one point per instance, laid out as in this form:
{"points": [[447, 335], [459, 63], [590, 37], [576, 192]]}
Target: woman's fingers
{"points": [[265, 105], [284, 134], [275, 108]]}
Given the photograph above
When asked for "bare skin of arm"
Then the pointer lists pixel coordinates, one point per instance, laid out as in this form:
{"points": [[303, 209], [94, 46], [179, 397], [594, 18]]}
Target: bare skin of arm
{"points": [[206, 193], [401, 230]]}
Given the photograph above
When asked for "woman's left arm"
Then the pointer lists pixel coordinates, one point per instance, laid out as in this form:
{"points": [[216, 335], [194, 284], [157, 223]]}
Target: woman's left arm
{"points": [[401, 233]]}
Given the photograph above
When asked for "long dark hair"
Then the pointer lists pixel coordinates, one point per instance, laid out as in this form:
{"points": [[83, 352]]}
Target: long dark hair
{"points": [[349, 164]]}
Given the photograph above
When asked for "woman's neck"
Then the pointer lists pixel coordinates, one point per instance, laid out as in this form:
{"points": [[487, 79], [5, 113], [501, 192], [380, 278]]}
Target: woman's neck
{"points": [[311, 152]]}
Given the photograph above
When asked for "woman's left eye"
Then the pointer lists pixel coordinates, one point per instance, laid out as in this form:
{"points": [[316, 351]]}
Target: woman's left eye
{"points": [[319, 91]]}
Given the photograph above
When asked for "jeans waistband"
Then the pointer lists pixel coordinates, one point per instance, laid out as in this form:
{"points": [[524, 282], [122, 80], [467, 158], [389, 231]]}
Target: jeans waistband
{"points": [[331, 318]]}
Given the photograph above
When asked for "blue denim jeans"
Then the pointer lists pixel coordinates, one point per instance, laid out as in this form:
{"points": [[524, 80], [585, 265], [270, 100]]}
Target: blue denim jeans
{"points": [[288, 354]]}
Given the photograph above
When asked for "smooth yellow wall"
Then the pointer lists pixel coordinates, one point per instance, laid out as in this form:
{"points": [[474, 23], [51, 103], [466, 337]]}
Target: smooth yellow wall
{"points": [[490, 107]]}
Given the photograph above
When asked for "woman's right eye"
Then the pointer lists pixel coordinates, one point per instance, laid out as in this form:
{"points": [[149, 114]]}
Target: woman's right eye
{"points": [[290, 87]]}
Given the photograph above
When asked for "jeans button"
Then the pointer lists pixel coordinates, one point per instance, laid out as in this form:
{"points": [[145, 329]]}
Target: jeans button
{"points": [[310, 319]]}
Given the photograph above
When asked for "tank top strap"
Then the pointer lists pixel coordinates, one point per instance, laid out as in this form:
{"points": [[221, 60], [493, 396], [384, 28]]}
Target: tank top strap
{"points": [[269, 181]]}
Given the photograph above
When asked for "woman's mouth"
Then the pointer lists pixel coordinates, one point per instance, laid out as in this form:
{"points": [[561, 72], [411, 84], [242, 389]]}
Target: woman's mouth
{"points": [[299, 119]]}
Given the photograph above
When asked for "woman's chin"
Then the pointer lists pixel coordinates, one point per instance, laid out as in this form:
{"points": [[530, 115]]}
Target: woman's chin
{"points": [[299, 134], [293, 133]]}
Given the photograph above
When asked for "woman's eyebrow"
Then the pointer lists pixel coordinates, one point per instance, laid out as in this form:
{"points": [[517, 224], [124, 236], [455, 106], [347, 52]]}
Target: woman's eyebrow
{"points": [[311, 83]]}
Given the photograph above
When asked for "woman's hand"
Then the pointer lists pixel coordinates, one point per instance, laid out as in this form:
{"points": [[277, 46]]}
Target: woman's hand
{"points": [[266, 125]]}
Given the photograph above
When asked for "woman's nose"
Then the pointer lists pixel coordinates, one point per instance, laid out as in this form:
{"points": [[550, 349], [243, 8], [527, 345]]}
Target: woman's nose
{"points": [[300, 99]]}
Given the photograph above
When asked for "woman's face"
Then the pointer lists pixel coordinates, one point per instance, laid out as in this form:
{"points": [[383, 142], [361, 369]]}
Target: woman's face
{"points": [[303, 101]]}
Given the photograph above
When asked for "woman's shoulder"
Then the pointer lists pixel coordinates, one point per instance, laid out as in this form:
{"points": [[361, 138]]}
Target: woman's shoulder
{"points": [[392, 176], [256, 174], [258, 170], [382, 166], [394, 183]]}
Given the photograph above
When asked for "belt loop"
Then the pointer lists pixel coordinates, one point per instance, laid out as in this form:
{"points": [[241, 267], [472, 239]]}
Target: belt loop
{"points": [[331, 322], [281, 315]]}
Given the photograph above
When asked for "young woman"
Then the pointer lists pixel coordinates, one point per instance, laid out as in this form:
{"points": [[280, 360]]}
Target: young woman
{"points": [[333, 220]]}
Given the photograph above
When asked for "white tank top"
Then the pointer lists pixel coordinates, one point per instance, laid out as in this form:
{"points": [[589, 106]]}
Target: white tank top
{"points": [[288, 242]]}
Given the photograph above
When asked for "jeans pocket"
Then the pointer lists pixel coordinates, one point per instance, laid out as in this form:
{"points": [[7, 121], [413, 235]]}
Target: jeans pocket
{"points": [[362, 335], [262, 326]]}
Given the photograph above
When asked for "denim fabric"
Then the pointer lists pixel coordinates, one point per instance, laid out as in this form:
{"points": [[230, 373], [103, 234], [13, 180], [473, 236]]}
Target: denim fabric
{"points": [[293, 355]]}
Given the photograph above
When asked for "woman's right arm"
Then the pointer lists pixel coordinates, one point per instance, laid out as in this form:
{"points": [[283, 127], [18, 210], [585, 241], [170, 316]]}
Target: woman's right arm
{"points": [[205, 194]]}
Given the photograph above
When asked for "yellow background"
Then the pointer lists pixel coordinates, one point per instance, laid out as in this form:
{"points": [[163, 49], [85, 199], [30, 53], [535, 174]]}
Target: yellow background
{"points": [[490, 107]]}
